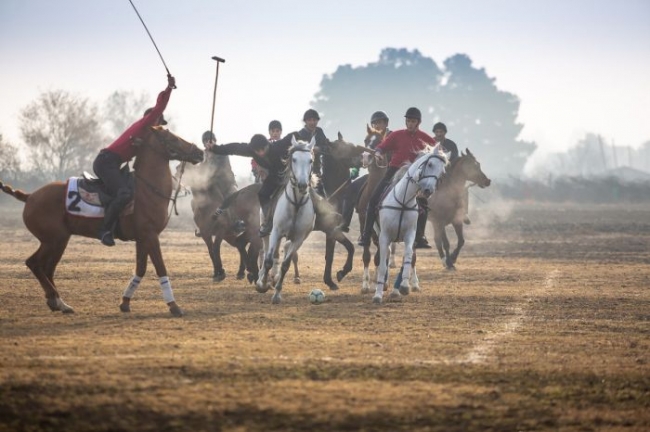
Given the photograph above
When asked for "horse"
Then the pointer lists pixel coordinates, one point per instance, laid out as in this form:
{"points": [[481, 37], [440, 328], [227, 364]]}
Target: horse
{"points": [[398, 213], [210, 182], [448, 204], [45, 216], [294, 215]]}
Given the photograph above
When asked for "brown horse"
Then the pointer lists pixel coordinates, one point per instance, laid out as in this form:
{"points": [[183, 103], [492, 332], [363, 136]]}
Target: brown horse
{"points": [[46, 218], [448, 203]]}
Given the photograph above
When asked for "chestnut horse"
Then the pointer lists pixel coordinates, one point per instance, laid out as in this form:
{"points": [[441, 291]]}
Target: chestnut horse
{"points": [[46, 218], [448, 204]]}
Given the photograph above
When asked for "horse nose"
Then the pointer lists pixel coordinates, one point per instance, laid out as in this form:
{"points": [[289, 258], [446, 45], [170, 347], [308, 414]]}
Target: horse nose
{"points": [[427, 192], [302, 186]]}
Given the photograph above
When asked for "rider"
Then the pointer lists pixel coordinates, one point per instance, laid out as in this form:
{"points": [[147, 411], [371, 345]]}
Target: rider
{"points": [[379, 122], [275, 132], [107, 163], [451, 150], [311, 130], [405, 145]]}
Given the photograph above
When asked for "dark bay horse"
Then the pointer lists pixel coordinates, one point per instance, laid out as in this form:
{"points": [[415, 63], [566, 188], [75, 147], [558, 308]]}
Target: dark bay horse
{"points": [[447, 204], [46, 218]]}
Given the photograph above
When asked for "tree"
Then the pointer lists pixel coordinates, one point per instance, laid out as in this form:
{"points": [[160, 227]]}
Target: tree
{"points": [[62, 132], [121, 109], [478, 115], [9, 163]]}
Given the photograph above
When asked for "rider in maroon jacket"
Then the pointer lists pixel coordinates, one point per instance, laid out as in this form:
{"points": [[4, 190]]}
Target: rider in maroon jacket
{"points": [[404, 145], [107, 164]]}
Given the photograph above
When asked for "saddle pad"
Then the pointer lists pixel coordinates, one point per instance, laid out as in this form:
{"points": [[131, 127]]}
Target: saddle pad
{"points": [[79, 202]]}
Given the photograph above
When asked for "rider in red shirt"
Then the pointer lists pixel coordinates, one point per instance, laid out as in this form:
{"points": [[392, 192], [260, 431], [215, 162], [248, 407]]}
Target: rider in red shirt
{"points": [[404, 144], [107, 164]]}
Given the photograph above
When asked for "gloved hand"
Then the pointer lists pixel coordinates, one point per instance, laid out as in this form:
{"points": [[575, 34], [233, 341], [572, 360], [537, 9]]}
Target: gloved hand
{"points": [[171, 81], [354, 173]]}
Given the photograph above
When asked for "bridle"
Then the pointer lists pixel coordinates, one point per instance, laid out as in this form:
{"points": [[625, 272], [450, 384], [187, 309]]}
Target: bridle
{"points": [[300, 199]]}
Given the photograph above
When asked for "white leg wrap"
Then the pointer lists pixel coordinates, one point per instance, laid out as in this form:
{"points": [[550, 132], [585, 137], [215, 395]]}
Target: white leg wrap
{"points": [[166, 287], [133, 285]]}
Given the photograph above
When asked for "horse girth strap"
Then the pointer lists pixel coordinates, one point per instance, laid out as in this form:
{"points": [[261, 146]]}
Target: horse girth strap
{"points": [[403, 208]]}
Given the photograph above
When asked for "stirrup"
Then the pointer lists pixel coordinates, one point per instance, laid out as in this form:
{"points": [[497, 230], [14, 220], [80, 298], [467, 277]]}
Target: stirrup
{"points": [[421, 243]]}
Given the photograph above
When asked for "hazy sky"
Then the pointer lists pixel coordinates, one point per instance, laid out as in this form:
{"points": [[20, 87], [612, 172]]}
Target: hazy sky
{"points": [[577, 65]]}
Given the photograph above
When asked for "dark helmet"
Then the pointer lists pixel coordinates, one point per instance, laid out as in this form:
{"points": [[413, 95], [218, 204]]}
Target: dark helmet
{"points": [[163, 122], [275, 125], [310, 114], [258, 142], [439, 125], [378, 115], [413, 113], [208, 136]]}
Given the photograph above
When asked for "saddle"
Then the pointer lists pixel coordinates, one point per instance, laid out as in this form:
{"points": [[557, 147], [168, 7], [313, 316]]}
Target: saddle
{"points": [[87, 196]]}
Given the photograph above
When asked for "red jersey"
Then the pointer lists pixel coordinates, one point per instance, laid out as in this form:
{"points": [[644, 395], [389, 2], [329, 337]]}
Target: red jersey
{"points": [[123, 146], [404, 145]]}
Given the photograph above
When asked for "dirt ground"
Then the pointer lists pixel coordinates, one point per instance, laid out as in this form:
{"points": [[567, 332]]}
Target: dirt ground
{"points": [[545, 325]]}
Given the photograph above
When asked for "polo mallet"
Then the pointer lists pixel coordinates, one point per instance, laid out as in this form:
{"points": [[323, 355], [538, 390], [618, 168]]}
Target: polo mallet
{"points": [[214, 95], [150, 37]]}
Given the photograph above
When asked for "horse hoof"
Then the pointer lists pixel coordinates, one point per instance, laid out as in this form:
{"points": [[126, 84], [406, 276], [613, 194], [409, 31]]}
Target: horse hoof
{"points": [[261, 288], [240, 276], [450, 268], [124, 307], [277, 299], [67, 310], [404, 290], [365, 290], [340, 275], [416, 288], [176, 311], [395, 296], [53, 305], [376, 300], [297, 280], [219, 276]]}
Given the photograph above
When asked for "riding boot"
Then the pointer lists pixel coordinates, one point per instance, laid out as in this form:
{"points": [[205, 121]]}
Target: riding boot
{"points": [[367, 228], [267, 223], [420, 240], [347, 213], [111, 213]]}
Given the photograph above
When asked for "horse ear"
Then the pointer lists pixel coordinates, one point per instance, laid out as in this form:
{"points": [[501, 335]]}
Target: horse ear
{"points": [[312, 143], [368, 129], [293, 140], [340, 136]]}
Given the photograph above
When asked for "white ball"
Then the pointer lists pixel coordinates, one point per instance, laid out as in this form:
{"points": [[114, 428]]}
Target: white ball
{"points": [[316, 296]]}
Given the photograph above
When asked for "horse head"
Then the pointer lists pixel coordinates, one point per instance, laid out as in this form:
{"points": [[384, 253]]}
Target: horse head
{"points": [[471, 169], [427, 170], [175, 147], [299, 163], [373, 137]]}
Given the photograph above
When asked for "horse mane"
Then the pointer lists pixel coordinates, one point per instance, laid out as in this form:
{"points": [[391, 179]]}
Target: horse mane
{"points": [[404, 168]]}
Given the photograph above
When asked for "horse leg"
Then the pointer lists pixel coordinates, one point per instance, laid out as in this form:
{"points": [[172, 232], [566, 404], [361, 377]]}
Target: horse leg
{"points": [[449, 265], [415, 282], [365, 286], [329, 257], [349, 247], [296, 273], [275, 270], [243, 258], [391, 260], [382, 269], [134, 283], [155, 254], [405, 287], [43, 264], [438, 230], [461, 241], [290, 247], [219, 272], [270, 244]]}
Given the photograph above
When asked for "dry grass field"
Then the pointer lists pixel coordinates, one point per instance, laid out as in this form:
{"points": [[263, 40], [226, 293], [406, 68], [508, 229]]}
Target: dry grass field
{"points": [[544, 326]]}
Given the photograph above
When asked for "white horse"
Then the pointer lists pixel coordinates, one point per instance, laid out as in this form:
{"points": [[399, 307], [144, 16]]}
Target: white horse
{"points": [[294, 215], [398, 214]]}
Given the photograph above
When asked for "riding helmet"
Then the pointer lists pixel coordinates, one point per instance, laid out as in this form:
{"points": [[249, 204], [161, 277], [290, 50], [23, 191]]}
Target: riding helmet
{"points": [[258, 142], [439, 125], [378, 115], [413, 113], [310, 114], [208, 136], [163, 122], [275, 125]]}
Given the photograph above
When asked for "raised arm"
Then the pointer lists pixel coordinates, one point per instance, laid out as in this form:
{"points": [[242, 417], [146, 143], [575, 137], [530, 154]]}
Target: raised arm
{"points": [[236, 149]]}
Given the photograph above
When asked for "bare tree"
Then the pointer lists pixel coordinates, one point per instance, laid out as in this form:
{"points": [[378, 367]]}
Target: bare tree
{"points": [[62, 132], [122, 108], [9, 163]]}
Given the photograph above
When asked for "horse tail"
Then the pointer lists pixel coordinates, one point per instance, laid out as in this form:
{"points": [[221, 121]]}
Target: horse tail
{"points": [[18, 194]]}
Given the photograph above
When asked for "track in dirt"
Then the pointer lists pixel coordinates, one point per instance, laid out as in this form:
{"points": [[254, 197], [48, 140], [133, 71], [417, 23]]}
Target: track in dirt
{"points": [[543, 327]]}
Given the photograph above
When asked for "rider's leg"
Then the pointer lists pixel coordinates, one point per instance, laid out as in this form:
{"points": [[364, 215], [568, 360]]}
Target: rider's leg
{"points": [[372, 205], [107, 168], [265, 195], [112, 213]]}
